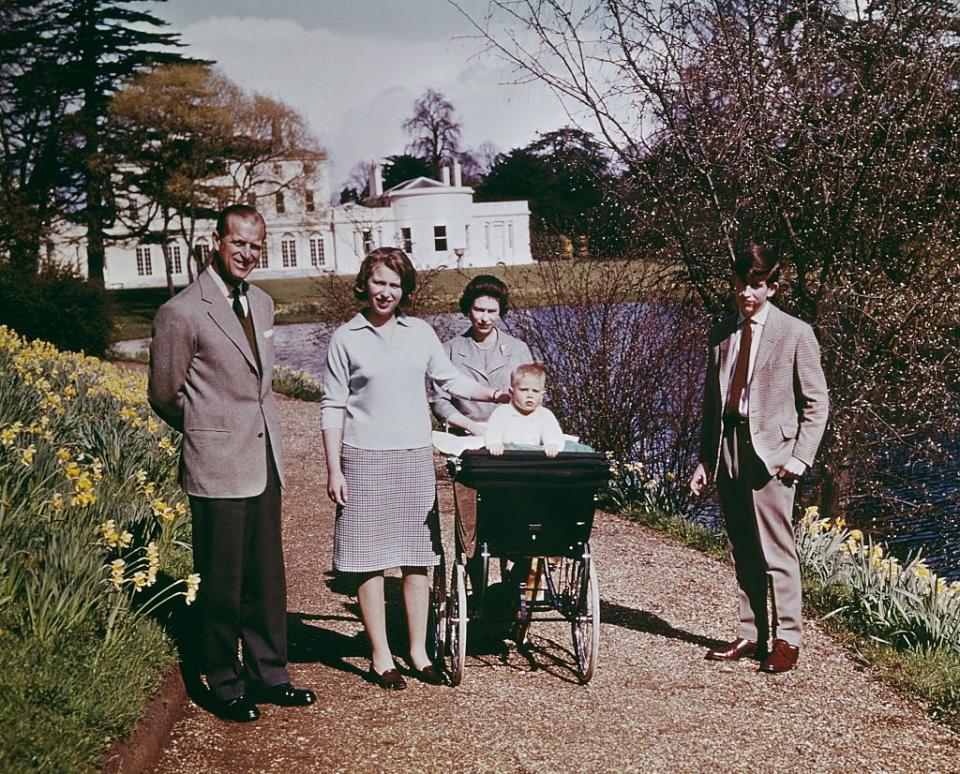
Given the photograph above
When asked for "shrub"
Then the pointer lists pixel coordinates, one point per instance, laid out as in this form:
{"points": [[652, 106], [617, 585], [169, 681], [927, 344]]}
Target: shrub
{"points": [[625, 368], [296, 384], [57, 305]]}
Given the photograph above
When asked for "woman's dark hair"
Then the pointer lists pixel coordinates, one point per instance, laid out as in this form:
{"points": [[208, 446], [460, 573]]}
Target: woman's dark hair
{"points": [[394, 259], [757, 263], [485, 285]]}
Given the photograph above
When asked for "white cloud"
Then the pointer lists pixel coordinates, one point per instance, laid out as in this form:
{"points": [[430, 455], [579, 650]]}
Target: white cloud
{"points": [[357, 89]]}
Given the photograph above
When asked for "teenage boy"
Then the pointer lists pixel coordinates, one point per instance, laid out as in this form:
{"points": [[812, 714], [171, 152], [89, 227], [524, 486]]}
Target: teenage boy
{"points": [[764, 412]]}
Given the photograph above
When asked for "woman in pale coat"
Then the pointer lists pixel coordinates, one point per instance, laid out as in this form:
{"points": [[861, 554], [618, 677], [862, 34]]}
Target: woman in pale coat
{"points": [[484, 352]]}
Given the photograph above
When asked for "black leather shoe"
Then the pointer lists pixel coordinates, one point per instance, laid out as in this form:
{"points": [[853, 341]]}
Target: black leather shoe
{"points": [[283, 695], [238, 710], [391, 680], [429, 674]]}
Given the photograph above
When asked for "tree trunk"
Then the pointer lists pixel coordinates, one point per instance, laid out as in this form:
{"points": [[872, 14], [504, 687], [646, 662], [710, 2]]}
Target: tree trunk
{"points": [[90, 163], [93, 217], [833, 491]]}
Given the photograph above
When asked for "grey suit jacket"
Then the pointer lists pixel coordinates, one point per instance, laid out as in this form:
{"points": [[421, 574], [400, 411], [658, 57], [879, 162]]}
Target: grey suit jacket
{"points": [[206, 383], [509, 353], [788, 392]]}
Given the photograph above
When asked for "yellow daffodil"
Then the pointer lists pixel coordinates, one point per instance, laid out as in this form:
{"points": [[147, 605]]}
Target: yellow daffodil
{"points": [[116, 573], [27, 455], [193, 582]]}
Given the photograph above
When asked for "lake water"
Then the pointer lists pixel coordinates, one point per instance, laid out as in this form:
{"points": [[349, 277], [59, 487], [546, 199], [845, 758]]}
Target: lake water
{"points": [[934, 528]]}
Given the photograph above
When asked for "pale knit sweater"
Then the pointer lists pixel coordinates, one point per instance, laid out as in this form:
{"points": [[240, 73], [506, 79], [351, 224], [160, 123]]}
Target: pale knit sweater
{"points": [[374, 383]]}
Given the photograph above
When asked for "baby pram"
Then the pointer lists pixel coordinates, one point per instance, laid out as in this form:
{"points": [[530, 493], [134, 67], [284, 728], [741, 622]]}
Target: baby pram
{"points": [[538, 513]]}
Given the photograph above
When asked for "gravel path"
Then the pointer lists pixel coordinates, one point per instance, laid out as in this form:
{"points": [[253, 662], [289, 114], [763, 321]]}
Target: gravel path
{"points": [[653, 705]]}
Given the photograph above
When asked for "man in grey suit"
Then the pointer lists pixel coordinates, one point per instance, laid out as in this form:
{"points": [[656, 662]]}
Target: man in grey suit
{"points": [[764, 413], [211, 367]]}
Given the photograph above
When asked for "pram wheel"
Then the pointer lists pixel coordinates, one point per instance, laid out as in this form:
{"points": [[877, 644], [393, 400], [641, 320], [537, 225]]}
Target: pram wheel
{"points": [[457, 623], [577, 592], [586, 626]]}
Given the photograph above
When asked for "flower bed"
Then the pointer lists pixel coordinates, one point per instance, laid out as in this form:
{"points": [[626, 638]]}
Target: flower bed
{"points": [[94, 554]]}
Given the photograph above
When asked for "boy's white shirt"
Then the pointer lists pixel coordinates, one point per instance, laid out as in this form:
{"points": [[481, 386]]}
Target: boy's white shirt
{"points": [[538, 428]]}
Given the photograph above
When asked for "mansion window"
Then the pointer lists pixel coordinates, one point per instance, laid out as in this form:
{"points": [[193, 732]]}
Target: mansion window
{"points": [[144, 264], [317, 257], [308, 200], [171, 253], [202, 251], [281, 206], [510, 235], [407, 237], [133, 210], [288, 251], [466, 237], [440, 239], [368, 244], [262, 262]]}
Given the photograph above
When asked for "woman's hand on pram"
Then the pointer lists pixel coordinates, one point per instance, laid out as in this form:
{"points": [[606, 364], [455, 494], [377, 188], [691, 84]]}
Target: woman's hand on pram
{"points": [[496, 449], [478, 429], [553, 451]]}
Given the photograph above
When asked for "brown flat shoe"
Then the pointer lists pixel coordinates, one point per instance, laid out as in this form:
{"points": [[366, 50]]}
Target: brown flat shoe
{"points": [[391, 680], [736, 650], [782, 658], [429, 675]]}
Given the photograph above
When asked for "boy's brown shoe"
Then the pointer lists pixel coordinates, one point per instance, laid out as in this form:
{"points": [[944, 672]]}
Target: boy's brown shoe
{"points": [[736, 650], [782, 658]]}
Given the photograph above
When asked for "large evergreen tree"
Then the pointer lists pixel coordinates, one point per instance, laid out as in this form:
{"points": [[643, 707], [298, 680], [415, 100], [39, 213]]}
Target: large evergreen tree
{"points": [[112, 41], [36, 100], [60, 63]]}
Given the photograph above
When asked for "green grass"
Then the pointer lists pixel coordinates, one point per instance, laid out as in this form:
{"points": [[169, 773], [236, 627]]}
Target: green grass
{"points": [[683, 530], [931, 674], [62, 704]]}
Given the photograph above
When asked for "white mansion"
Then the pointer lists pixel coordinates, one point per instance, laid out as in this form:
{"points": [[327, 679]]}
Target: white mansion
{"points": [[435, 221]]}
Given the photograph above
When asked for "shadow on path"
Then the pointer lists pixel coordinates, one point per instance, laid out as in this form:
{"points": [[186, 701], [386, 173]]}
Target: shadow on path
{"points": [[644, 621]]}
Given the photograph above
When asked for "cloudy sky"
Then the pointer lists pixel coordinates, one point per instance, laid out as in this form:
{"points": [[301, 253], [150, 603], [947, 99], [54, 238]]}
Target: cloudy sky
{"points": [[355, 67]]}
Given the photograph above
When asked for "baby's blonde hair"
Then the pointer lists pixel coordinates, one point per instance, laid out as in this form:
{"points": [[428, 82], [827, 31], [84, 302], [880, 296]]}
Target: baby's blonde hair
{"points": [[528, 369]]}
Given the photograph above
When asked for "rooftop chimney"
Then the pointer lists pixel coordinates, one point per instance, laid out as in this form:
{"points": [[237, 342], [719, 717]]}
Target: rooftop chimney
{"points": [[445, 175], [376, 180], [457, 174]]}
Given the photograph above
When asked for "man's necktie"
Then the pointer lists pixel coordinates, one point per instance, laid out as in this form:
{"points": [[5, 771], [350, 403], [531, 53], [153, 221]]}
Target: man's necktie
{"points": [[239, 291], [740, 369], [245, 320]]}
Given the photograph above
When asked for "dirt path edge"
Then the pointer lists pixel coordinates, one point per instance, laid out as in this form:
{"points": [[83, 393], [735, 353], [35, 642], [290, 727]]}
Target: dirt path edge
{"points": [[140, 750]]}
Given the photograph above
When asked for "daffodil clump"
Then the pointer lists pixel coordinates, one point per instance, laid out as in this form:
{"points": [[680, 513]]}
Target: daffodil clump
{"points": [[903, 603], [634, 485], [91, 521]]}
